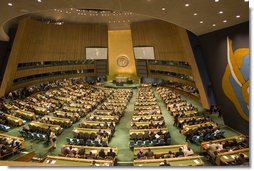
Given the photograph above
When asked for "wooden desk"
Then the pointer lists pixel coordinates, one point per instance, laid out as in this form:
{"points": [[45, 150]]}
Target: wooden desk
{"points": [[72, 116], [55, 128], [20, 139], [12, 120], [146, 112], [205, 143], [94, 123], [67, 161], [103, 112], [192, 127], [64, 121], [137, 131], [160, 150], [230, 156], [105, 117], [89, 131], [40, 110], [179, 161], [94, 150], [26, 114], [146, 123]]}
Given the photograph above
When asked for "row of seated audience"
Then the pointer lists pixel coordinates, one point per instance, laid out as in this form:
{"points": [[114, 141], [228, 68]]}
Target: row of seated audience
{"points": [[228, 145], [149, 119], [8, 145], [195, 126], [69, 151], [61, 106], [111, 108], [149, 154]]}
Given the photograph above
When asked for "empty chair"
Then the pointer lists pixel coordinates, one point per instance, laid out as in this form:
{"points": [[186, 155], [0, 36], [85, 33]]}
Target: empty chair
{"points": [[168, 141], [97, 143], [104, 144], [89, 142], [76, 141], [154, 142], [37, 136], [139, 143], [69, 140], [33, 135], [147, 143], [81, 141], [161, 142], [132, 143]]}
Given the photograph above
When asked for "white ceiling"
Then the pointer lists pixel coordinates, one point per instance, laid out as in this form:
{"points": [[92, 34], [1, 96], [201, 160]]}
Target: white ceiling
{"points": [[132, 10]]}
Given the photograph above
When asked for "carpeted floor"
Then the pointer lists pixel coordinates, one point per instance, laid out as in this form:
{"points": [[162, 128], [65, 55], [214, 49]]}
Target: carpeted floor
{"points": [[121, 136]]}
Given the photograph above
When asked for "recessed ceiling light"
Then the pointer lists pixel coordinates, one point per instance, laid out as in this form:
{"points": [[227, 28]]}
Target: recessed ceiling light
{"points": [[221, 12], [238, 16], [216, 0], [39, 0], [163, 9], [187, 5], [214, 25], [246, 0], [201, 22], [10, 4], [195, 14], [224, 21]]}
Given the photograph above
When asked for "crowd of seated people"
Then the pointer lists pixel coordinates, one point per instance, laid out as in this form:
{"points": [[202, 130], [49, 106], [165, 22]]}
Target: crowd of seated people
{"points": [[182, 122], [221, 146], [9, 145], [56, 108], [148, 125], [100, 153], [98, 127], [195, 126], [183, 151], [183, 87]]}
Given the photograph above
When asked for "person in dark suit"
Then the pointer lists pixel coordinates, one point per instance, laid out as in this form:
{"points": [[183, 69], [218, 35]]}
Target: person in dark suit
{"points": [[111, 153], [179, 153], [48, 135]]}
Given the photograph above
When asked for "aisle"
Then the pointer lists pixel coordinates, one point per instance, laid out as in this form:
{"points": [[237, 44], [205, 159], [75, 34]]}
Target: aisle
{"points": [[121, 137], [176, 137]]}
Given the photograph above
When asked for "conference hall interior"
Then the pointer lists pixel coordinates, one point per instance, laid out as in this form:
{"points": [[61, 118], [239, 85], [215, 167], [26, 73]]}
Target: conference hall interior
{"points": [[124, 83]]}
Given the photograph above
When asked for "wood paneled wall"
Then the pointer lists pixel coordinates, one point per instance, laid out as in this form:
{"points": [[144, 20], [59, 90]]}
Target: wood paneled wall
{"points": [[36, 41], [170, 43], [163, 36]]}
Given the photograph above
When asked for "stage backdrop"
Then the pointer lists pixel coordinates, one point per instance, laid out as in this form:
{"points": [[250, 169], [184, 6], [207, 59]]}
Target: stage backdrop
{"points": [[226, 54], [120, 55]]}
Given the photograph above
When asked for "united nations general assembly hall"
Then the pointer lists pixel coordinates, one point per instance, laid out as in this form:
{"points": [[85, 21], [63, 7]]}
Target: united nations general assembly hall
{"points": [[125, 83]]}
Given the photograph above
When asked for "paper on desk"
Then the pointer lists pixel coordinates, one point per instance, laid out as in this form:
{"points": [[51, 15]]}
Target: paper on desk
{"points": [[53, 162], [94, 151], [233, 156], [225, 157], [196, 161]]}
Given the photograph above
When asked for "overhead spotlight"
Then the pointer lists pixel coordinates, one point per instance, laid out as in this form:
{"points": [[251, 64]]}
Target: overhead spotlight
{"points": [[195, 14], [214, 25], [216, 0], [10, 4], [246, 0], [221, 12], [39, 0], [187, 5], [238, 16], [163, 9], [224, 21], [201, 22]]}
